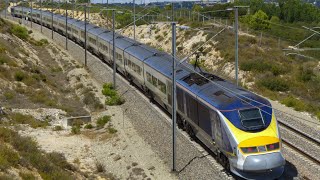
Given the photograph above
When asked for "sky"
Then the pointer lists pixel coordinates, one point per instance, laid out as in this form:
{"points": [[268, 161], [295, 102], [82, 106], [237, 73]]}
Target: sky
{"points": [[137, 1]]}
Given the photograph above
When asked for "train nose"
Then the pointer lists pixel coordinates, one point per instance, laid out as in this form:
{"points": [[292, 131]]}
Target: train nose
{"points": [[263, 162]]}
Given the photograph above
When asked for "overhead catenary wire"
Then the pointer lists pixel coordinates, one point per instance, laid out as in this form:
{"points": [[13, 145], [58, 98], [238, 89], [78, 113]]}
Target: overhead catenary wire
{"points": [[237, 95]]}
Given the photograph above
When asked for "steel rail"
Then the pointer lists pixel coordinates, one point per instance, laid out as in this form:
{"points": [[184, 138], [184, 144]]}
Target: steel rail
{"points": [[297, 131], [306, 154]]}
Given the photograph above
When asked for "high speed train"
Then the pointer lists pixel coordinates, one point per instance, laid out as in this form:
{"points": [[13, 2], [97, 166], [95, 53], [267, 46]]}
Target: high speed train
{"points": [[239, 126]]}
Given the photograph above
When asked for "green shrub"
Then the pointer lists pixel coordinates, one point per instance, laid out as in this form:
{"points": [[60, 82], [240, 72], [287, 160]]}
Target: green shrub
{"points": [[3, 59], [109, 92], [112, 96], [2, 49], [20, 32], [101, 122], [75, 130], [27, 176], [28, 119], [88, 126], [9, 95], [50, 166], [57, 128], [8, 157], [318, 115], [114, 100], [111, 130], [19, 76], [274, 84], [59, 160], [305, 75], [294, 103]]}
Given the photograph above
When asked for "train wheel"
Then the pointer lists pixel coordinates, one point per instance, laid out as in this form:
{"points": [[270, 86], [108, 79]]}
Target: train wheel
{"points": [[190, 131], [224, 161], [180, 122]]}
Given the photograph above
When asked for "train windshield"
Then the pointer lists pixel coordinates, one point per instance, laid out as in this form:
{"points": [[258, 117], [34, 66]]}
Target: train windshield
{"points": [[252, 119]]}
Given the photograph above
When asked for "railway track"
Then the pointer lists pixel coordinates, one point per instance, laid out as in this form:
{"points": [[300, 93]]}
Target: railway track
{"points": [[301, 142]]}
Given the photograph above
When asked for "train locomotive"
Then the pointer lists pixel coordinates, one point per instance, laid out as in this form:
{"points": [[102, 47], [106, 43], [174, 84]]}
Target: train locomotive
{"points": [[238, 126]]}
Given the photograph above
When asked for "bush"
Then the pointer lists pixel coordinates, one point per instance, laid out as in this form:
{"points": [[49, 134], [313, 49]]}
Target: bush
{"points": [[57, 128], [49, 166], [294, 103], [9, 95], [274, 84], [19, 76], [112, 130], [112, 96], [318, 115], [305, 75], [4, 60], [109, 92], [114, 100], [88, 126], [8, 157], [59, 160], [102, 121], [28, 119], [20, 32], [75, 130], [26, 176]]}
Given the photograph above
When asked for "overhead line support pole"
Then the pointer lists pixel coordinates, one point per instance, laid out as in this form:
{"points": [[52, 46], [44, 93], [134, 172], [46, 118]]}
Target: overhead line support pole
{"points": [[174, 113], [5, 11], [113, 47], [236, 43], [66, 25], [85, 35], [51, 19], [31, 17], [41, 15], [134, 20]]}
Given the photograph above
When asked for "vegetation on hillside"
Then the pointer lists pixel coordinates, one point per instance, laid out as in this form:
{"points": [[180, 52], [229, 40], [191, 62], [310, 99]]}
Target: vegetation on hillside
{"points": [[17, 151], [113, 98]]}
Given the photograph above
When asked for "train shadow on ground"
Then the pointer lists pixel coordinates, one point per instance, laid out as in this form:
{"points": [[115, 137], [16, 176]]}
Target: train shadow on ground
{"points": [[290, 171]]}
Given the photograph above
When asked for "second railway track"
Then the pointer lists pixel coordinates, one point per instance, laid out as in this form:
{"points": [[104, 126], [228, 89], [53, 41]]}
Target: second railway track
{"points": [[301, 142]]}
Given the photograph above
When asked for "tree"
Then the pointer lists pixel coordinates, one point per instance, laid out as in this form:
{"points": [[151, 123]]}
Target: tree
{"points": [[168, 7], [259, 21], [196, 8], [275, 19]]}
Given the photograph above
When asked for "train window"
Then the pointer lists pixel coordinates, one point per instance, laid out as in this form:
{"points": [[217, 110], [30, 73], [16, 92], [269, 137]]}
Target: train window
{"points": [[180, 99], [204, 118], [192, 109], [119, 57], [154, 81], [149, 78], [139, 70], [162, 87], [251, 119], [82, 34], [130, 65]]}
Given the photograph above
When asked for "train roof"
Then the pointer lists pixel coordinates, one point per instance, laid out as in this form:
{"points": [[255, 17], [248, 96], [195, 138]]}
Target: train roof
{"points": [[96, 30], [162, 62], [139, 52]]}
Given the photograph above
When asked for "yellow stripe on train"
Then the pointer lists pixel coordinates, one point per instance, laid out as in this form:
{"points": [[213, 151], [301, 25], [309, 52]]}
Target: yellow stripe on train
{"points": [[270, 131]]}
